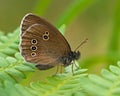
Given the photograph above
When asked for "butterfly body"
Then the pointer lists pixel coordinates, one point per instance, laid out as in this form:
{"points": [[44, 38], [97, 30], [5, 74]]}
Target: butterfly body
{"points": [[42, 44], [66, 60]]}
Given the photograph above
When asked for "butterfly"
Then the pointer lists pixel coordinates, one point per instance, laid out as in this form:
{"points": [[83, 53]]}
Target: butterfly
{"points": [[41, 43]]}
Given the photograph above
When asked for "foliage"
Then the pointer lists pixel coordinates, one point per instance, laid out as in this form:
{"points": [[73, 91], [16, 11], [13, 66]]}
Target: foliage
{"points": [[108, 84]]}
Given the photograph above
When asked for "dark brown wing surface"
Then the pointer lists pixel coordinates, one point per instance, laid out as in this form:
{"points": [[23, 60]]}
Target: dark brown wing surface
{"points": [[42, 43]]}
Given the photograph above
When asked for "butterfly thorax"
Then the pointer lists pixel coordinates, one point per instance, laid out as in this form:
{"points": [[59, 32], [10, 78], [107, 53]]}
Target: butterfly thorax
{"points": [[73, 55]]}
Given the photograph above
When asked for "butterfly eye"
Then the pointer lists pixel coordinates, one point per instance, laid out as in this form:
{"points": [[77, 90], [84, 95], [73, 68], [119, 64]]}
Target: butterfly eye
{"points": [[45, 37], [33, 48], [34, 41], [33, 54]]}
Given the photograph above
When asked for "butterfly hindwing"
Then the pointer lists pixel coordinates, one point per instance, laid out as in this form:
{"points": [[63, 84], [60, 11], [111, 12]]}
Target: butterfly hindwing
{"points": [[41, 43]]}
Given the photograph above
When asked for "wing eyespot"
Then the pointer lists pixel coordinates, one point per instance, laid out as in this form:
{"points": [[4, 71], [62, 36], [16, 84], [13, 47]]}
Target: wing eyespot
{"points": [[33, 54], [33, 48], [34, 41], [46, 32], [45, 37]]}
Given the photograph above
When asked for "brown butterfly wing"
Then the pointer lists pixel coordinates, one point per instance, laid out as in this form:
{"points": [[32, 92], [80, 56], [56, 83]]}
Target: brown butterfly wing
{"points": [[27, 21], [48, 52]]}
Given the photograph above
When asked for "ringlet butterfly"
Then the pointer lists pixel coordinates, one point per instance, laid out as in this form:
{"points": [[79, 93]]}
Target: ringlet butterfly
{"points": [[41, 43]]}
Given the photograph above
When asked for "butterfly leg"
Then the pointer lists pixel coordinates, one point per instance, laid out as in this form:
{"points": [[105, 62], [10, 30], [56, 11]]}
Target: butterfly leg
{"points": [[76, 65], [61, 68], [57, 69], [73, 69]]}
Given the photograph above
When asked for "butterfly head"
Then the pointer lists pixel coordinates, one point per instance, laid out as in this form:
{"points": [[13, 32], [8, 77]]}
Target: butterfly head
{"points": [[73, 55]]}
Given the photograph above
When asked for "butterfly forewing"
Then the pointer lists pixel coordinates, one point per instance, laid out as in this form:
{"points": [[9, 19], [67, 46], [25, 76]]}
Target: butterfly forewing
{"points": [[27, 21]]}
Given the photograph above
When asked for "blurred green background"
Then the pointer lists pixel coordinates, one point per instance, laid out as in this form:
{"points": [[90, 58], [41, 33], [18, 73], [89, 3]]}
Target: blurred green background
{"points": [[97, 20]]}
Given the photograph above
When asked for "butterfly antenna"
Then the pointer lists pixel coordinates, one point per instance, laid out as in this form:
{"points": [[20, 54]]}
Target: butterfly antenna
{"points": [[81, 43]]}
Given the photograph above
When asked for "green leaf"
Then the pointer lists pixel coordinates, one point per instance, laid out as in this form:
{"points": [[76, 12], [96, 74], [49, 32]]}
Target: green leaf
{"points": [[105, 85], [17, 90], [9, 44], [13, 68], [59, 85], [62, 29]]}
